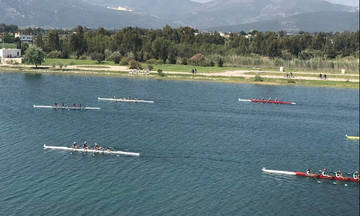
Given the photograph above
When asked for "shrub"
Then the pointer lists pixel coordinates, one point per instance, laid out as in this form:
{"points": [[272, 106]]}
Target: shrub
{"points": [[220, 62], [54, 54], [304, 55], [160, 73], [291, 81], [124, 61], [61, 65], [150, 67], [72, 63], [258, 78], [115, 57], [108, 53], [198, 60], [134, 64], [212, 64], [151, 61], [172, 59], [99, 57], [83, 57], [184, 61]]}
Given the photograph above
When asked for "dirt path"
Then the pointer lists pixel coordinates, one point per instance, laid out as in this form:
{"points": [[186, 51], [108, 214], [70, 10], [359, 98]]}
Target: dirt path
{"points": [[263, 74], [236, 73]]}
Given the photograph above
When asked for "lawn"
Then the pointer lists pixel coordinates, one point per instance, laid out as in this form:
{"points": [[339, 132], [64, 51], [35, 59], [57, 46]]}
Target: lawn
{"points": [[8, 45], [180, 67], [189, 68], [55, 61], [340, 76]]}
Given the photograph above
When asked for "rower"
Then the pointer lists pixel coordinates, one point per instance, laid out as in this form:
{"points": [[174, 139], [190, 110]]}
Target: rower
{"points": [[356, 175], [338, 174], [308, 171], [85, 146], [324, 172], [75, 146], [55, 104], [97, 147]]}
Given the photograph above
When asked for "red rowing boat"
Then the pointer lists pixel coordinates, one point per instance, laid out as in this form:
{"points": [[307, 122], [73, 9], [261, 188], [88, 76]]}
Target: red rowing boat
{"points": [[319, 176], [313, 175]]}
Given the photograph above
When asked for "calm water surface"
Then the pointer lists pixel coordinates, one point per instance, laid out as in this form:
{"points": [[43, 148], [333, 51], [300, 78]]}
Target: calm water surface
{"points": [[201, 150]]}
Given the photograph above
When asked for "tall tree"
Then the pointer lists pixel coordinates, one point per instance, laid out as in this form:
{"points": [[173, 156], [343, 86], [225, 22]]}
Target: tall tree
{"points": [[78, 42], [52, 42], [34, 55], [39, 41]]}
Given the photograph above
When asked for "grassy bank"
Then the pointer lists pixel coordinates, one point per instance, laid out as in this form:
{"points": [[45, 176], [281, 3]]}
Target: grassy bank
{"points": [[8, 45], [188, 77], [56, 61], [350, 64], [331, 75]]}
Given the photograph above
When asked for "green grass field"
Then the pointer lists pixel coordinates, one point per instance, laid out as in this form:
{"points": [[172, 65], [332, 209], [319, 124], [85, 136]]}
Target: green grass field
{"points": [[340, 76], [52, 61], [188, 68], [8, 45]]}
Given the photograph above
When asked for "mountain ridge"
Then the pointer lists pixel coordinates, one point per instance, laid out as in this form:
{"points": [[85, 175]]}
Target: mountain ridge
{"points": [[157, 13]]}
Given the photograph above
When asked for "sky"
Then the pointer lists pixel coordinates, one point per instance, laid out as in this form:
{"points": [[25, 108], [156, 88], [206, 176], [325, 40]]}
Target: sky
{"points": [[354, 3]]}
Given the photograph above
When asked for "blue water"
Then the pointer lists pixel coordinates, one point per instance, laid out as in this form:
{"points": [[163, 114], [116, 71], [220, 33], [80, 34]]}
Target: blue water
{"points": [[201, 150]]}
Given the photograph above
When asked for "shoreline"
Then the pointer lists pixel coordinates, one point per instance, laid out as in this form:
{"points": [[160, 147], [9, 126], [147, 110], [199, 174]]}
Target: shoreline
{"points": [[183, 76]]}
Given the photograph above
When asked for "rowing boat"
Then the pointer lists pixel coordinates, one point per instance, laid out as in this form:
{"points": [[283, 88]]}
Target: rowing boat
{"points": [[92, 150], [66, 107], [352, 137], [265, 101], [313, 175], [125, 100]]}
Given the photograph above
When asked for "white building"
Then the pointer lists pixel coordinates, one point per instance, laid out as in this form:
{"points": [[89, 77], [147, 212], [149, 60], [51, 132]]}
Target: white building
{"points": [[10, 56], [24, 38]]}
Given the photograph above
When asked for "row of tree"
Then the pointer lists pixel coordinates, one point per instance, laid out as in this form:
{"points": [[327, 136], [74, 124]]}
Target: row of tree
{"points": [[174, 45]]}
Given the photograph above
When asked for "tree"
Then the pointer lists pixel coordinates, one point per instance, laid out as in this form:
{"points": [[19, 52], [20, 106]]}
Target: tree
{"points": [[39, 41], [52, 42], [24, 47], [78, 42], [220, 62], [34, 55], [160, 48]]}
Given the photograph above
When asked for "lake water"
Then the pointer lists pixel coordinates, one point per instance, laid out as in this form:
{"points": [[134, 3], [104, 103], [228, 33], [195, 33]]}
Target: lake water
{"points": [[201, 150]]}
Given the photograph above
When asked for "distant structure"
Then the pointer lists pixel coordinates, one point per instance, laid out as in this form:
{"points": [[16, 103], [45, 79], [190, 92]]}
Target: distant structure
{"points": [[24, 38], [1, 38], [10, 56], [224, 35]]}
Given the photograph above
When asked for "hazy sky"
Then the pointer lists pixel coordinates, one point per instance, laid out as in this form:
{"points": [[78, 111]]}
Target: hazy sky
{"points": [[345, 2]]}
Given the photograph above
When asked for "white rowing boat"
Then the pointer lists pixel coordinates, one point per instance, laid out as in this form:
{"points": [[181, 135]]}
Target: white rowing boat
{"points": [[66, 107], [278, 172], [125, 100], [92, 150]]}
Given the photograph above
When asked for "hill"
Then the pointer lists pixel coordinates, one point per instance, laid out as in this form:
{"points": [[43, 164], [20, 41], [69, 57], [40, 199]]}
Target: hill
{"points": [[309, 22]]}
